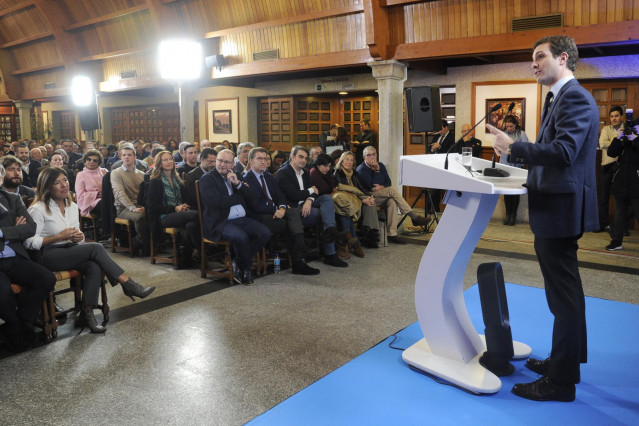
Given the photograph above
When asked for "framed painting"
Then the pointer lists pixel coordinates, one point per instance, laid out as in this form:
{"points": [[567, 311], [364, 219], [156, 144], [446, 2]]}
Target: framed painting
{"points": [[497, 118]]}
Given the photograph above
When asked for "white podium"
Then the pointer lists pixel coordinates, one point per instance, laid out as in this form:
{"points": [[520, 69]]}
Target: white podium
{"points": [[451, 347]]}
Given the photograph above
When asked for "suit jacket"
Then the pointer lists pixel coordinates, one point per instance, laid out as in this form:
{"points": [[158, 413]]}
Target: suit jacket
{"points": [[259, 205], [217, 203], [290, 186], [75, 156], [11, 206], [191, 177], [561, 182], [446, 143], [31, 178]]}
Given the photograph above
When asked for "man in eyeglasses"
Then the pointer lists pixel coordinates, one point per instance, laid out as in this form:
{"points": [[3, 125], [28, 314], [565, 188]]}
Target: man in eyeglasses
{"points": [[225, 202]]}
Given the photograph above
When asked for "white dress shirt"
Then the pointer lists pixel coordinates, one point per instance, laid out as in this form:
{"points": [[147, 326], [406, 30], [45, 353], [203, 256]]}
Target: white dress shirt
{"points": [[50, 224]]}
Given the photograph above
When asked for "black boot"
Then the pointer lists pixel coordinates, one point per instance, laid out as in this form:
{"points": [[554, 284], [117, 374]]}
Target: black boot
{"points": [[131, 288], [87, 318]]}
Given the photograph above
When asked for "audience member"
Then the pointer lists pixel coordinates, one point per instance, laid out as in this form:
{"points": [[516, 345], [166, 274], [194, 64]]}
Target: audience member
{"points": [[18, 314], [125, 181], [374, 178], [44, 160], [190, 160], [366, 137], [207, 162], [470, 141], [29, 167], [329, 136], [609, 164], [445, 140], [68, 146], [57, 241], [295, 182], [511, 202], [269, 207], [313, 154], [12, 172], [241, 161], [225, 202], [88, 184], [279, 157], [179, 156]]}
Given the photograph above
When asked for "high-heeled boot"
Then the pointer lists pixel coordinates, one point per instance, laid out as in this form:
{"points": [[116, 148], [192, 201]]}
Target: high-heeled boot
{"points": [[87, 318], [357, 249], [351, 240], [131, 288], [341, 250]]}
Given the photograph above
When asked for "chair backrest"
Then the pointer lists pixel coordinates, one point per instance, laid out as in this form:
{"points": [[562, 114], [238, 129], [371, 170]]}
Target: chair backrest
{"points": [[199, 206]]}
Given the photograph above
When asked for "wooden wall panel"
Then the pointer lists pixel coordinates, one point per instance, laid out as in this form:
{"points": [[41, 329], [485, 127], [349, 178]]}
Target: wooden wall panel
{"points": [[145, 63]]}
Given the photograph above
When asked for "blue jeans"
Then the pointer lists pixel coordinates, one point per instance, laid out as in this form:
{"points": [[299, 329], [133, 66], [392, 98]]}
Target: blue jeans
{"points": [[324, 210], [248, 236], [348, 225]]}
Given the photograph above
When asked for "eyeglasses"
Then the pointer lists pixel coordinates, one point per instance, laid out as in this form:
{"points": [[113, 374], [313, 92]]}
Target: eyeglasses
{"points": [[224, 162], [260, 158], [371, 155], [92, 160]]}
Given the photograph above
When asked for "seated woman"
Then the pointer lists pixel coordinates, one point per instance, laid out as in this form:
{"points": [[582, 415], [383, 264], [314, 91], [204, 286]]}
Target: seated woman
{"points": [[60, 244], [353, 202], [88, 183], [59, 158], [166, 206]]}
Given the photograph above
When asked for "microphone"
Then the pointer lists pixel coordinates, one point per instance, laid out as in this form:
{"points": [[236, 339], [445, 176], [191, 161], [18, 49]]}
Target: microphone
{"points": [[493, 109], [494, 171]]}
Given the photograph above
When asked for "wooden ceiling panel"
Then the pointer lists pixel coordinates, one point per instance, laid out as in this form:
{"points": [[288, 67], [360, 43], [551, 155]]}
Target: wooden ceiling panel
{"points": [[22, 24], [37, 54], [35, 82], [144, 63], [83, 10]]}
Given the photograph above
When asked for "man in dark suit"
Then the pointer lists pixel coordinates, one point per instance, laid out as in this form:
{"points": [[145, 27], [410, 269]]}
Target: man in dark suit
{"points": [[299, 191], [269, 206], [445, 140], [562, 200], [67, 145], [16, 225], [207, 162], [29, 167], [225, 201]]}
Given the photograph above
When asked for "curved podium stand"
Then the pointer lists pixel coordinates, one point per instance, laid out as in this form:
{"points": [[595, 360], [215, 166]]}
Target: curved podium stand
{"points": [[451, 346]]}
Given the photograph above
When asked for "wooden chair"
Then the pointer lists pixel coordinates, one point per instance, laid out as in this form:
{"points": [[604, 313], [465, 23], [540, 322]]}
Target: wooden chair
{"points": [[49, 314], [173, 233], [118, 223], [88, 222]]}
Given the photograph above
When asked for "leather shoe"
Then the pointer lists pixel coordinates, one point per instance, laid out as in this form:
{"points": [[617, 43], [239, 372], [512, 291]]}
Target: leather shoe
{"points": [[333, 260], [238, 274], [539, 366], [247, 278], [396, 240], [301, 268], [328, 235], [545, 389]]}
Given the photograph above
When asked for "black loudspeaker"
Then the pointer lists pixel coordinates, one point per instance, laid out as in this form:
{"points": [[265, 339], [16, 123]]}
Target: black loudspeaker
{"points": [[215, 61], [424, 109], [88, 118]]}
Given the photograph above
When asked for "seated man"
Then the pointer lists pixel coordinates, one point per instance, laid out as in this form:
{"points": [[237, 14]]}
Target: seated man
{"points": [[445, 141], [207, 162], [269, 207], [295, 182], [375, 178], [29, 167], [470, 141], [190, 161], [16, 225], [241, 162], [125, 181], [13, 177], [116, 162], [225, 202]]}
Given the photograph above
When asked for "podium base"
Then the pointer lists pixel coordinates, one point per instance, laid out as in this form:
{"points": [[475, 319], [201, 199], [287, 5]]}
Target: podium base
{"points": [[470, 376]]}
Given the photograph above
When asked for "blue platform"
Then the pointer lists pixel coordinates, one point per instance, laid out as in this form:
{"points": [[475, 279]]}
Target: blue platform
{"points": [[377, 387]]}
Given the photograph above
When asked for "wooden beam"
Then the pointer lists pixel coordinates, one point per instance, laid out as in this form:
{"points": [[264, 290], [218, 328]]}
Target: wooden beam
{"points": [[347, 58], [107, 55], [17, 7], [626, 32], [163, 20], [46, 93], [55, 19], [340, 11], [119, 13], [133, 84], [391, 3], [47, 67], [377, 23], [27, 40]]}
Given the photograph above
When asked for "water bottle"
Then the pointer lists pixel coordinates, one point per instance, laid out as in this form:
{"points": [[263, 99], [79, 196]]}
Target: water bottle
{"points": [[276, 263]]}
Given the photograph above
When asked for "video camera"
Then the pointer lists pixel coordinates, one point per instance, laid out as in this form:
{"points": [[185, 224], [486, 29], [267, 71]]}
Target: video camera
{"points": [[630, 124]]}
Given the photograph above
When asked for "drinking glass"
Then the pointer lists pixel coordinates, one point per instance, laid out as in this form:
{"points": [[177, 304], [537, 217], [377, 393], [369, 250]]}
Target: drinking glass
{"points": [[467, 157]]}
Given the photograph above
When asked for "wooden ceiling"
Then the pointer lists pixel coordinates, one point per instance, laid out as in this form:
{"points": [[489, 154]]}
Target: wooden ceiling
{"points": [[47, 42]]}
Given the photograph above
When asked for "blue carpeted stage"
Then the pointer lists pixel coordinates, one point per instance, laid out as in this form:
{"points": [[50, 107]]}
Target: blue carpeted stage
{"points": [[379, 388]]}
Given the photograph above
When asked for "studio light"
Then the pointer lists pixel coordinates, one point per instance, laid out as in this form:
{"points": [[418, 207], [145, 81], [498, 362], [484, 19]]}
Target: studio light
{"points": [[81, 91], [180, 59]]}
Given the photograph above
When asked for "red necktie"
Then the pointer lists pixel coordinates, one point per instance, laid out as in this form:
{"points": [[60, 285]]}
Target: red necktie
{"points": [[268, 199]]}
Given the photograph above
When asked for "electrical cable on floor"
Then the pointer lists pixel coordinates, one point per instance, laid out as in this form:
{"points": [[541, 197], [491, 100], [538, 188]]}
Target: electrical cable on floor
{"points": [[390, 344]]}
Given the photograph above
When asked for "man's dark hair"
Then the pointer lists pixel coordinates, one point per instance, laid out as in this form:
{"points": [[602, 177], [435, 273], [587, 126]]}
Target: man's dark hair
{"points": [[444, 123], [206, 152], [367, 122], [254, 151], [155, 151], [558, 45], [297, 148], [9, 160], [23, 145], [188, 146], [616, 108], [334, 126], [323, 160]]}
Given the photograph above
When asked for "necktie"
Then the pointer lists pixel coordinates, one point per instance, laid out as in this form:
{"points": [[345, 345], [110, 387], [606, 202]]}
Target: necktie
{"points": [[549, 97], [268, 199]]}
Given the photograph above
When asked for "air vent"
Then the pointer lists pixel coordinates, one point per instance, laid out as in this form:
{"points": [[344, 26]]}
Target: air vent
{"points": [[50, 85], [538, 22], [267, 54], [128, 74]]}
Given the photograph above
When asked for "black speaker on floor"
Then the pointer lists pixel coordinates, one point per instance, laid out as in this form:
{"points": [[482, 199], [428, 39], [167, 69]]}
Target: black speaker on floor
{"points": [[424, 109], [88, 118]]}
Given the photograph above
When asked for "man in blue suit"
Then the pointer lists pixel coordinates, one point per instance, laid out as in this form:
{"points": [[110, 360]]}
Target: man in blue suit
{"points": [[269, 207], [562, 197], [225, 203]]}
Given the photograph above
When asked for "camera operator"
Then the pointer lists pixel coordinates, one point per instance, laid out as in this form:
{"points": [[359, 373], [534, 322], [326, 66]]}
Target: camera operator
{"points": [[625, 182], [608, 164]]}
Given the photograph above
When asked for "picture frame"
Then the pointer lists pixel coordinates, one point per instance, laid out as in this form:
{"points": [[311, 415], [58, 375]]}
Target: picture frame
{"points": [[497, 118], [222, 123]]}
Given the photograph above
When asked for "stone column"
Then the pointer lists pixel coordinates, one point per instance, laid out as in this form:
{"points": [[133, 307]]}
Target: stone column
{"points": [[390, 77], [24, 111]]}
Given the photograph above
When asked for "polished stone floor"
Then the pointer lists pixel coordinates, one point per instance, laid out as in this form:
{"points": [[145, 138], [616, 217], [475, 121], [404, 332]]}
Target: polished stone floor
{"points": [[200, 352]]}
